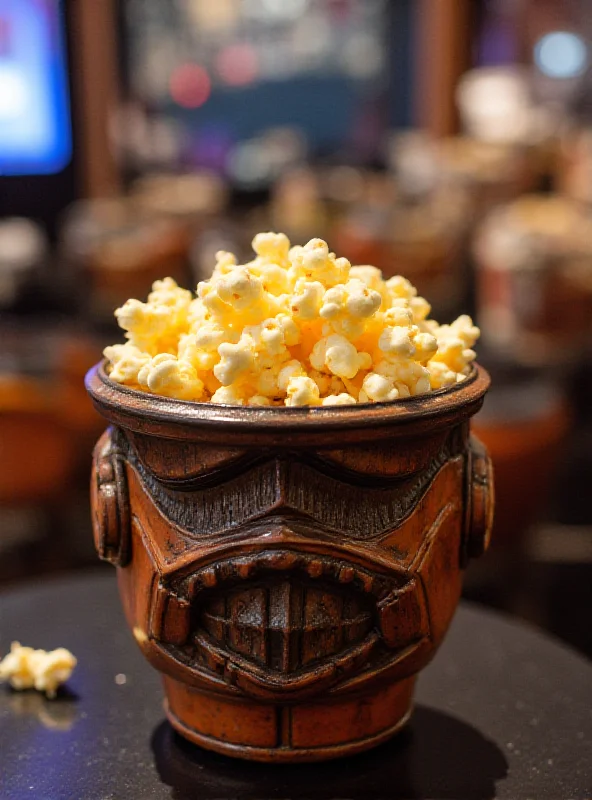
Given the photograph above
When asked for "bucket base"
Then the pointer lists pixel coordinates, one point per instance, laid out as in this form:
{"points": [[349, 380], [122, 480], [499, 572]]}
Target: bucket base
{"points": [[291, 733]]}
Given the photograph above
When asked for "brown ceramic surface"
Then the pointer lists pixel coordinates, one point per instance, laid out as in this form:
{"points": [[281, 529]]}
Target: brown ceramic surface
{"points": [[289, 571]]}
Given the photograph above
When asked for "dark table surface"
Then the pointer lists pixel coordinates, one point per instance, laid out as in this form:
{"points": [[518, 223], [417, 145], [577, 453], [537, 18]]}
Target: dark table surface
{"points": [[502, 712]]}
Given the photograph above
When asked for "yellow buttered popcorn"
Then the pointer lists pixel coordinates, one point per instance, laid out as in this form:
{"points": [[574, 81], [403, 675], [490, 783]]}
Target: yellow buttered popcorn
{"points": [[302, 391], [172, 377], [27, 668], [296, 326]]}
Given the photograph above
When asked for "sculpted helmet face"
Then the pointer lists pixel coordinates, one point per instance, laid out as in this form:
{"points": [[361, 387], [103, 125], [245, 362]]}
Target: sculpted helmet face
{"points": [[271, 571], [289, 571]]}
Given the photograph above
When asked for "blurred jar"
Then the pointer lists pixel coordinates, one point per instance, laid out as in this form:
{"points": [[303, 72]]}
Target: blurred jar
{"points": [[493, 172], [489, 171], [23, 254], [411, 157], [344, 187], [193, 199], [524, 423], [499, 105], [36, 448], [296, 207], [423, 240], [534, 282], [119, 251], [47, 430], [574, 165]]}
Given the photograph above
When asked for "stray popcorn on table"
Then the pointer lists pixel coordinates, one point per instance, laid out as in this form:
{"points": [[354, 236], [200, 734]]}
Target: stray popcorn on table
{"points": [[26, 668], [296, 326]]}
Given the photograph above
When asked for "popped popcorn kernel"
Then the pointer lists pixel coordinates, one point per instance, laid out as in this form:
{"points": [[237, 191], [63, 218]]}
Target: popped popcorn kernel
{"points": [[302, 392], [441, 376], [230, 395], [273, 247], [235, 361], [225, 262], [169, 376], [127, 360], [398, 341], [336, 354], [371, 276], [296, 326], [426, 346], [343, 399], [258, 400], [328, 384], [347, 306], [45, 671], [378, 388], [240, 289], [315, 263], [306, 299], [144, 324]]}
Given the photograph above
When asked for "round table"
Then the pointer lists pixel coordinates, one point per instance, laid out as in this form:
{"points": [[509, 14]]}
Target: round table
{"points": [[502, 712]]}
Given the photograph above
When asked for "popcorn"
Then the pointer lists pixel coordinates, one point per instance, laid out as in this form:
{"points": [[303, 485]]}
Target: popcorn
{"points": [[268, 342], [235, 361], [26, 668], [302, 392], [453, 353], [455, 344], [420, 309], [346, 306], [398, 341], [224, 263], [177, 300], [339, 356], [127, 360], [371, 276], [315, 263], [296, 326], [343, 399], [144, 323], [410, 378], [229, 395], [328, 384], [441, 376], [259, 400], [307, 299], [240, 289], [172, 377], [273, 247], [426, 346], [377, 389], [155, 326]]}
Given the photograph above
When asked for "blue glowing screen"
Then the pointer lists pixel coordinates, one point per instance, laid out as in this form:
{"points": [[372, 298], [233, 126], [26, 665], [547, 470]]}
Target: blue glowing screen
{"points": [[35, 130]]}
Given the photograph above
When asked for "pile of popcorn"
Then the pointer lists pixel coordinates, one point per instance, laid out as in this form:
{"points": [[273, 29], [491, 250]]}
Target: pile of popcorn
{"points": [[296, 326]]}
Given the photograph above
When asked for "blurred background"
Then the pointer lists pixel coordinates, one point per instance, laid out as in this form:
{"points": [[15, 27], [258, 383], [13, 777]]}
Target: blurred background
{"points": [[446, 140]]}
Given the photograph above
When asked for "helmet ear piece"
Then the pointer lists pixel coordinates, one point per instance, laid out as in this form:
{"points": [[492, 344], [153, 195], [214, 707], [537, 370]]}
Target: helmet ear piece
{"points": [[110, 502], [480, 501]]}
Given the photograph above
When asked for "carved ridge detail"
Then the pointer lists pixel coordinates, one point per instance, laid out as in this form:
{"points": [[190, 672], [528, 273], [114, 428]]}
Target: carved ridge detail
{"points": [[292, 488]]}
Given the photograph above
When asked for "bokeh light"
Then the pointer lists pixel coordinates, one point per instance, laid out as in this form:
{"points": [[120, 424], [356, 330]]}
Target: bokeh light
{"points": [[190, 85], [238, 65], [561, 54], [13, 93]]}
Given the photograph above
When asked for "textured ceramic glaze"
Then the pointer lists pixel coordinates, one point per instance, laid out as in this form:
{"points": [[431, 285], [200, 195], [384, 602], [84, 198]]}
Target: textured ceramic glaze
{"points": [[289, 571]]}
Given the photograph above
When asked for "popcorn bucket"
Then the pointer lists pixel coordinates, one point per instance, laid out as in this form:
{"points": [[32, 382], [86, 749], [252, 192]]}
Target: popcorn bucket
{"points": [[289, 571]]}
